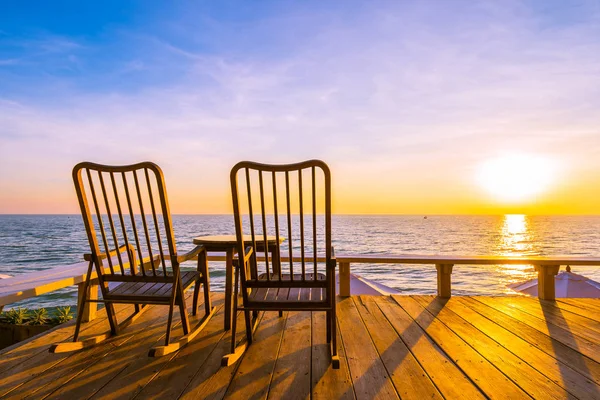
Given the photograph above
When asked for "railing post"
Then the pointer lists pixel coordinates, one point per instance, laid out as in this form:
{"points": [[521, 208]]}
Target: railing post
{"points": [[546, 286], [444, 281], [89, 312], [344, 276]]}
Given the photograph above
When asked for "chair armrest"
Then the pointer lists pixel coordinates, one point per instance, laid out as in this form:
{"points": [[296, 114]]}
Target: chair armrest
{"points": [[333, 262], [249, 252], [190, 255]]}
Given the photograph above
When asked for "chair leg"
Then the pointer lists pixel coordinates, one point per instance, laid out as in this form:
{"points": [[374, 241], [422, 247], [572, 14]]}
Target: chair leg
{"points": [[196, 293], [207, 300], [328, 318], [335, 359], [233, 330], [235, 310], [236, 352], [185, 322], [84, 300], [112, 318], [170, 318], [206, 283], [280, 313], [248, 326]]}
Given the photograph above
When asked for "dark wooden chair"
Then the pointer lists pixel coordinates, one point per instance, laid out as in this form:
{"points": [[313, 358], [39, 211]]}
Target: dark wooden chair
{"points": [[291, 201], [128, 224]]}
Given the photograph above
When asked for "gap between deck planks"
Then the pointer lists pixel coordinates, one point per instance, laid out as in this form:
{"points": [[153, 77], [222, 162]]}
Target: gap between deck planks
{"points": [[390, 347]]}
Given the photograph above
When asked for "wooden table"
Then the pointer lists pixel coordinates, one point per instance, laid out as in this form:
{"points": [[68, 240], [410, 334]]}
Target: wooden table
{"points": [[228, 243]]}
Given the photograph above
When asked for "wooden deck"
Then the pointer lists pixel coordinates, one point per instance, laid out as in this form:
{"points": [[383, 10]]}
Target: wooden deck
{"points": [[402, 346]]}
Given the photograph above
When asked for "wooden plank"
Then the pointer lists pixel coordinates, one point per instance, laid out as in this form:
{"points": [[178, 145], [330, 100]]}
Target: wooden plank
{"points": [[282, 294], [588, 304], [125, 371], [328, 383], [43, 367], [530, 380], [562, 335], [447, 377], [408, 377], [291, 377], [100, 364], [50, 274], [369, 376], [463, 259], [88, 370], [272, 294], [576, 324], [577, 361], [294, 294], [15, 355], [211, 381], [124, 288], [561, 373], [24, 363], [253, 376], [305, 294], [485, 375], [259, 294], [168, 376], [579, 309]]}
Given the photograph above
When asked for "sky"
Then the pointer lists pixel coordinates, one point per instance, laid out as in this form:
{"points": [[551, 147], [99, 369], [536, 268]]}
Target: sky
{"points": [[407, 101]]}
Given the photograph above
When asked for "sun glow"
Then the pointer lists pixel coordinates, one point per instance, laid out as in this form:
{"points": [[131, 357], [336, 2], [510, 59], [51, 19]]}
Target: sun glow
{"points": [[516, 177]]}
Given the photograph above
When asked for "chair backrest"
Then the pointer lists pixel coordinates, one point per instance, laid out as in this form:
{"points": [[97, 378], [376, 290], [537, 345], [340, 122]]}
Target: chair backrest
{"points": [[291, 202], [126, 207]]}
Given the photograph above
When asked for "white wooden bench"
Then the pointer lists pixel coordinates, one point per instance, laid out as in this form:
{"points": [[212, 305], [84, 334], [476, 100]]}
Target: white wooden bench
{"points": [[546, 267], [36, 283]]}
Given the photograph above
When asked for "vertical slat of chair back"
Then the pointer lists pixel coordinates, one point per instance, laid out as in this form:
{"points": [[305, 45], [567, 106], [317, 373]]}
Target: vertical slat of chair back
{"points": [[124, 206], [294, 192]]}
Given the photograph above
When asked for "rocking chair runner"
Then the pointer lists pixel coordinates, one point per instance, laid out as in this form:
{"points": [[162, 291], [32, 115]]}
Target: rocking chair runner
{"points": [[302, 283], [133, 250]]}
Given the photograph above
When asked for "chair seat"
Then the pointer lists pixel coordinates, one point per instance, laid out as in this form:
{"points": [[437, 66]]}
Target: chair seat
{"points": [[287, 295], [278, 295], [151, 289], [297, 277]]}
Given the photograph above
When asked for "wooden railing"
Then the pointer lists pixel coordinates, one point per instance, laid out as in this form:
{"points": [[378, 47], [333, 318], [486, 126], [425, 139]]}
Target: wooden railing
{"points": [[546, 267], [34, 284]]}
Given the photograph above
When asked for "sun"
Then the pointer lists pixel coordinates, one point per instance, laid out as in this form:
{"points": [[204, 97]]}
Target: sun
{"points": [[516, 177]]}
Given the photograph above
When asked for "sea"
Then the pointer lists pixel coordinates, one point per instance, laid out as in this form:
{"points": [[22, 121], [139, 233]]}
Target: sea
{"points": [[30, 243]]}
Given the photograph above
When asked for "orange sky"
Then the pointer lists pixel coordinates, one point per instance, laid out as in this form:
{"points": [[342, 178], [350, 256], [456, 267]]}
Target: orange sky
{"points": [[355, 191]]}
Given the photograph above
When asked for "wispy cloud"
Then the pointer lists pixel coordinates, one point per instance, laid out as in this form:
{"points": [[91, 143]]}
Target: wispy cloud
{"points": [[419, 92]]}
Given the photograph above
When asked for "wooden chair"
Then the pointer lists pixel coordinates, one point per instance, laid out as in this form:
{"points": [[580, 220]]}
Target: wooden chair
{"points": [[291, 201], [128, 224]]}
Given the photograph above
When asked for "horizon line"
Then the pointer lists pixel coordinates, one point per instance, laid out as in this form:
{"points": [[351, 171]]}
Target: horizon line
{"points": [[339, 214]]}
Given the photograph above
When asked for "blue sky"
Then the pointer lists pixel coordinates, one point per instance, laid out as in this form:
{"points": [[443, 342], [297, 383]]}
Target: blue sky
{"points": [[403, 99]]}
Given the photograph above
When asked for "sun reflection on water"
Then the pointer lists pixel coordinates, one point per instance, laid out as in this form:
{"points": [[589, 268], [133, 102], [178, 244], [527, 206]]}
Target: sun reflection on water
{"points": [[515, 240]]}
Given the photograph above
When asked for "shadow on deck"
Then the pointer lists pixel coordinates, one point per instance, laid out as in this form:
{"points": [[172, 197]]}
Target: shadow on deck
{"points": [[391, 346]]}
